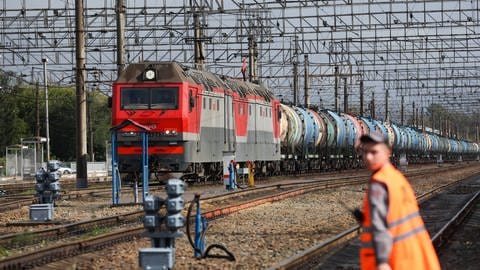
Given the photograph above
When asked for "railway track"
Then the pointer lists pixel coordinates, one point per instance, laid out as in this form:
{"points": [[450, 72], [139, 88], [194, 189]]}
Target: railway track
{"points": [[28, 186], [236, 201], [259, 195], [442, 208], [20, 188], [251, 198], [460, 251], [13, 202], [17, 202]]}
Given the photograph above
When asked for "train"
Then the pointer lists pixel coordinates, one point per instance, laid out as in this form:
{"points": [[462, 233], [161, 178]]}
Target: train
{"points": [[196, 117]]}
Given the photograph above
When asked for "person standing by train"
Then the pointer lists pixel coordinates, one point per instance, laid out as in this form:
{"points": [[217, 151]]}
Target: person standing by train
{"points": [[393, 233]]}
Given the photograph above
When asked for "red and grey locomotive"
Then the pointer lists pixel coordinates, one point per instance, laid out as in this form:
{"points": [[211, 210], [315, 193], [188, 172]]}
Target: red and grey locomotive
{"points": [[194, 117]]}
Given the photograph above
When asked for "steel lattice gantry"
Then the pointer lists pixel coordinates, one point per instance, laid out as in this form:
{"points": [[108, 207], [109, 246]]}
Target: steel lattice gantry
{"points": [[426, 51]]}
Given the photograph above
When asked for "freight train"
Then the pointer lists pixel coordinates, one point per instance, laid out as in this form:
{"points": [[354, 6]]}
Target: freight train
{"points": [[195, 117]]}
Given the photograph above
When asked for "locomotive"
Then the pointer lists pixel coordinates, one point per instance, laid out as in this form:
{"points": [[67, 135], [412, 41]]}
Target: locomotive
{"points": [[195, 117]]}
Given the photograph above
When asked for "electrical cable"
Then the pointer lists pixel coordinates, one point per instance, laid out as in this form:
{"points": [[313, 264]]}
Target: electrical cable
{"points": [[240, 187], [205, 254]]}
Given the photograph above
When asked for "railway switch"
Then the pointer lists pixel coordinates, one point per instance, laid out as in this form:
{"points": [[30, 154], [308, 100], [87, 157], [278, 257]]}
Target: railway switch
{"points": [[163, 228]]}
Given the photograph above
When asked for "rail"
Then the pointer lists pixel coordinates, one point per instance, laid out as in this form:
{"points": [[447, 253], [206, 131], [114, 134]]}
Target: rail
{"points": [[315, 251], [442, 235], [50, 254]]}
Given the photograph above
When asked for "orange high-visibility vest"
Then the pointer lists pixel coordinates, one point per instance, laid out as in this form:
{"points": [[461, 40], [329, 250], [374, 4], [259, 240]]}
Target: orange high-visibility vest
{"points": [[412, 248]]}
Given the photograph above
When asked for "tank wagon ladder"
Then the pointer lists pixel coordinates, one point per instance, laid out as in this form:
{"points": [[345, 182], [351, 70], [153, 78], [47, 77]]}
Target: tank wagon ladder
{"points": [[116, 181]]}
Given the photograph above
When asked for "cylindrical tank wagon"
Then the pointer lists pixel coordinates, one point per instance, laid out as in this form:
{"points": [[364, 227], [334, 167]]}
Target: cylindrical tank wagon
{"points": [[332, 138]]}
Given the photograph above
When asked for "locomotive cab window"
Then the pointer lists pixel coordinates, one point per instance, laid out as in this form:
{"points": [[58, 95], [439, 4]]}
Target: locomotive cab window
{"points": [[154, 98]]}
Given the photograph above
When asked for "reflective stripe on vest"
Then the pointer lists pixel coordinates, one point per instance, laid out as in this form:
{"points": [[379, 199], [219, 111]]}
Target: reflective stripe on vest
{"points": [[397, 222], [398, 238]]}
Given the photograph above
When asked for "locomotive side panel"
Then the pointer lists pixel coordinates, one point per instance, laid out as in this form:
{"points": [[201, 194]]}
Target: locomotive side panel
{"points": [[261, 143]]}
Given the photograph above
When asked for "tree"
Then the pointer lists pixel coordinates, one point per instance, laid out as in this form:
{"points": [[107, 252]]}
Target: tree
{"points": [[62, 122], [12, 125], [101, 120], [18, 116]]}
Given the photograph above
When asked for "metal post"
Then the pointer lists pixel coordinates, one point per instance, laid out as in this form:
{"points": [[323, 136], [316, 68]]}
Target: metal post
{"points": [[440, 125], [120, 10], [81, 104], [198, 42], [37, 110], [336, 89], [345, 95], [295, 71], [432, 121], [306, 81], [421, 118], [295, 82], [386, 104], [251, 72], [198, 229], [115, 192], [90, 126], [135, 191], [361, 98], [35, 157], [414, 118], [21, 158], [252, 58], [145, 172], [402, 110], [417, 121], [373, 105], [47, 127]]}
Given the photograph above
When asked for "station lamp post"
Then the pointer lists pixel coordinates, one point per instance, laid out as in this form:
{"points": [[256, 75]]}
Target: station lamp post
{"points": [[47, 128]]}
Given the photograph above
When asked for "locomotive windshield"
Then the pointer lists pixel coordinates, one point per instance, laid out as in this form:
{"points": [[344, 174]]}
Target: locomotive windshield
{"points": [[153, 98]]}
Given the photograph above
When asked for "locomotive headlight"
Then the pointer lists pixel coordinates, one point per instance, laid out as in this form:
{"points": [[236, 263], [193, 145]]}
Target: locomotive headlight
{"points": [[149, 74], [170, 132], [129, 134]]}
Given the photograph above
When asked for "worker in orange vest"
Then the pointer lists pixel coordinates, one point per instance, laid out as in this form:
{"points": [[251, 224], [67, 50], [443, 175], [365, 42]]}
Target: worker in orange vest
{"points": [[393, 233]]}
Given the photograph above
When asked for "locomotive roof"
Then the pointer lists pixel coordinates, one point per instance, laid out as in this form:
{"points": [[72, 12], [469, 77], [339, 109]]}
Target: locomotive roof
{"points": [[174, 72]]}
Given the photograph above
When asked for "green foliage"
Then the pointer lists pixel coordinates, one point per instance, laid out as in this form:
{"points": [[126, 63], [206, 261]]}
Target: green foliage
{"points": [[96, 231], [2, 162], [18, 116], [23, 239], [62, 122], [452, 123], [28, 192], [101, 121], [4, 252], [12, 125]]}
